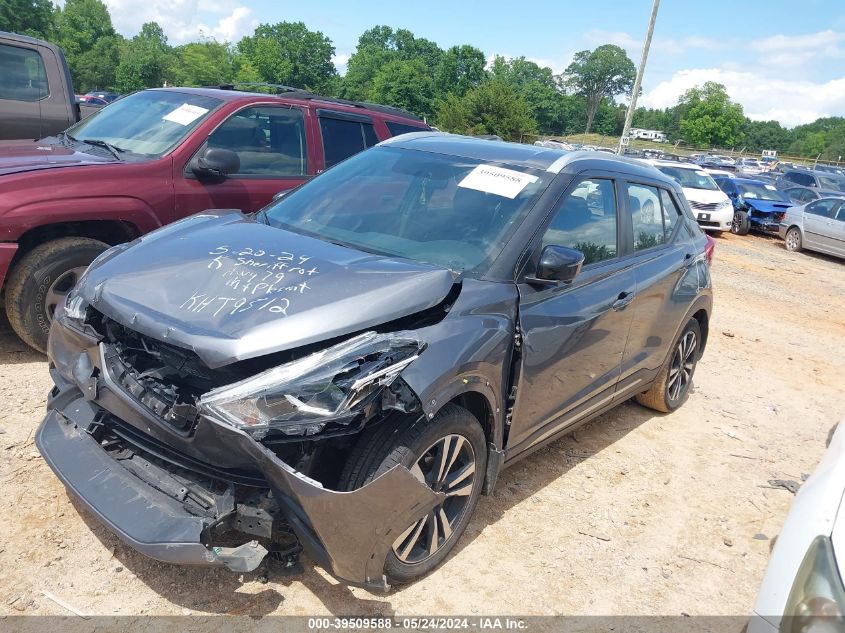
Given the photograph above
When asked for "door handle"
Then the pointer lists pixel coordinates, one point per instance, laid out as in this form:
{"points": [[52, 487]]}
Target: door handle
{"points": [[623, 300]]}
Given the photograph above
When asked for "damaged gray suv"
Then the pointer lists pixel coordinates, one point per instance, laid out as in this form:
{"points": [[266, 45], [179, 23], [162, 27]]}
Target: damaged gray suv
{"points": [[348, 370]]}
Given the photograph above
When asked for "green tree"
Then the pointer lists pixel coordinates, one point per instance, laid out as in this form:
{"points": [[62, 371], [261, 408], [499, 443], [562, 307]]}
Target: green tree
{"points": [[760, 135], [460, 68], [602, 73], [404, 84], [211, 63], [146, 61], [711, 118], [493, 107], [27, 17], [289, 53], [91, 45], [379, 46], [537, 86]]}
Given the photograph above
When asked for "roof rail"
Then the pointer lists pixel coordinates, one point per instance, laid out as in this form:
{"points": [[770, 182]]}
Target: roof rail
{"points": [[300, 93]]}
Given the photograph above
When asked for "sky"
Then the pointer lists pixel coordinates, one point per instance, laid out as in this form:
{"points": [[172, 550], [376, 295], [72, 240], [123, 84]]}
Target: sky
{"points": [[780, 59]]}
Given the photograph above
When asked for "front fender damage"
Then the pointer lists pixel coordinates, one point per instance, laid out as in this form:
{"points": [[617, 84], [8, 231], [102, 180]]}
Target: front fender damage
{"points": [[348, 533]]}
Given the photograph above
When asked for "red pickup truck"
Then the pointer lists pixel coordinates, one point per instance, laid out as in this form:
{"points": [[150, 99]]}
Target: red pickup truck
{"points": [[151, 158]]}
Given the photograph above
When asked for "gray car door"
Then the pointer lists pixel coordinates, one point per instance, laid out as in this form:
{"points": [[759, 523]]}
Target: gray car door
{"points": [[818, 218], [662, 257], [574, 335], [836, 235]]}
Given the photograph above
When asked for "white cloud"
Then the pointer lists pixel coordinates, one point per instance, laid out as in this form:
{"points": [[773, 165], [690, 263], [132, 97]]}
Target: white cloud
{"points": [[184, 20], [340, 60], [794, 51], [792, 102]]}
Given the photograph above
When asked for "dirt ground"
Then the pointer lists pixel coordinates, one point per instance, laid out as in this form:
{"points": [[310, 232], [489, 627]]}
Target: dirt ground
{"points": [[637, 513]]}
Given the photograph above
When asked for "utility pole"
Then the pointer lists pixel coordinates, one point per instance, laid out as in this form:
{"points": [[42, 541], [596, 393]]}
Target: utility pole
{"points": [[623, 141]]}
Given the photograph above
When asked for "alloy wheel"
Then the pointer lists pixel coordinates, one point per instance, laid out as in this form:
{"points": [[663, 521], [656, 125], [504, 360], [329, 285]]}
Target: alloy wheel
{"points": [[58, 290], [792, 240], [736, 222], [683, 363], [447, 466]]}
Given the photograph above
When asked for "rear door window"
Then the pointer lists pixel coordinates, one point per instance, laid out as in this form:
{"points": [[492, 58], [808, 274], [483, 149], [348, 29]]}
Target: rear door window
{"points": [[343, 137], [22, 74], [396, 129]]}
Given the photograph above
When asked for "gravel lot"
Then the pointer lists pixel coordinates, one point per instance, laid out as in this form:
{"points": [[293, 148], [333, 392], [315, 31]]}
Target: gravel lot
{"points": [[637, 513]]}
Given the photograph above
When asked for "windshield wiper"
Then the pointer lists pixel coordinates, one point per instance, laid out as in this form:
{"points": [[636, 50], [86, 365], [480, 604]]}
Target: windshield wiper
{"points": [[113, 149]]}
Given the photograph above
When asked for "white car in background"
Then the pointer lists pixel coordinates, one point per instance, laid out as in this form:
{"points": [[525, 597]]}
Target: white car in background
{"points": [[712, 207], [803, 591]]}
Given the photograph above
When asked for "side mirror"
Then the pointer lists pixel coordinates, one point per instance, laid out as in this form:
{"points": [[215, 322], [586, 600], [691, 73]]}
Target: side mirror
{"points": [[216, 162], [558, 264]]}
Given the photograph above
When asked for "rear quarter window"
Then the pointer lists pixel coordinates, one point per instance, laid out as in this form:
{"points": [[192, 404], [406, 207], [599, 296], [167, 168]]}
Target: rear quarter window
{"points": [[396, 129]]}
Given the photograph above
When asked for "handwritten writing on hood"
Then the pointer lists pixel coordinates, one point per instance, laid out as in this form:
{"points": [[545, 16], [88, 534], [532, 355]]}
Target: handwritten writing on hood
{"points": [[254, 279]]}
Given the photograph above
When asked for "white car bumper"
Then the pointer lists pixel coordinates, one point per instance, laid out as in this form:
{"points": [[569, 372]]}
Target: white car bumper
{"points": [[716, 220]]}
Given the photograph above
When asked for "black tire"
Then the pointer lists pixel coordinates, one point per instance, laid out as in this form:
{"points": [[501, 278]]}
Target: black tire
{"points": [[794, 241], [741, 224], [40, 278], [662, 395], [407, 442]]}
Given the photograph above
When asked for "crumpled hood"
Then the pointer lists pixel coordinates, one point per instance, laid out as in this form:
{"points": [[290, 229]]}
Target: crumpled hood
{"points": [[32, 155], [768, 206], [231, 288]]}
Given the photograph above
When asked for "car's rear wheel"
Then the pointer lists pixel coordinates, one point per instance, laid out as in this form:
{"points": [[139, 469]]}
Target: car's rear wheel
{"points": [[447, 453], [793, 239], [40, 282], [673, 382], [740, 225]]}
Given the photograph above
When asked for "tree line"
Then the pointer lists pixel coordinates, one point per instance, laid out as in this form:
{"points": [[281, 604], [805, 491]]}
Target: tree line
{"points": [[455, 89]]}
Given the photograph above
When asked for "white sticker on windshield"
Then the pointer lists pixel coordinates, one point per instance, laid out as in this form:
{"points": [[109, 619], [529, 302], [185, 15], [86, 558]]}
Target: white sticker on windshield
{"points": [[771, 187], [185, 114], [497, 180]]}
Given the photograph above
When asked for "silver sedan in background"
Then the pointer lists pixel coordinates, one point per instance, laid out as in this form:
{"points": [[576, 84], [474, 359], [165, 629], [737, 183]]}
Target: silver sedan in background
{"points": [[816, 226], [803, 591]]}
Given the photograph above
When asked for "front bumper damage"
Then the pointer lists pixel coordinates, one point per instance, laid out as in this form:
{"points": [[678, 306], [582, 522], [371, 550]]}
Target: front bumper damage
{"points": [[348, 533]]}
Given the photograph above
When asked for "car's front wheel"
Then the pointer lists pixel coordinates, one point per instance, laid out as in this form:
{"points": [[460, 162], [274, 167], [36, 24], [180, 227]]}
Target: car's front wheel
{"points": [[675, 378], [740, 225], [447, 453], [39, 284]]}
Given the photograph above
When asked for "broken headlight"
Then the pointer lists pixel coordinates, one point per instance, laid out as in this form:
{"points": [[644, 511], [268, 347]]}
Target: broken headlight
{"points": [[300, 397]]}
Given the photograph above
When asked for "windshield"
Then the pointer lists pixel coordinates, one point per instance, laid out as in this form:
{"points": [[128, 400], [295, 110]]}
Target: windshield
{"points": [[760, 191], [147, 123], [690, 178], [445, 210], [828, 182]]}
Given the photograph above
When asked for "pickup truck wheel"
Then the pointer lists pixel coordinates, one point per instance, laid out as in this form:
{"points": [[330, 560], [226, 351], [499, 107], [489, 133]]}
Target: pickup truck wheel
{"points": [[673, 382], [40, 282], [447, 453]]}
